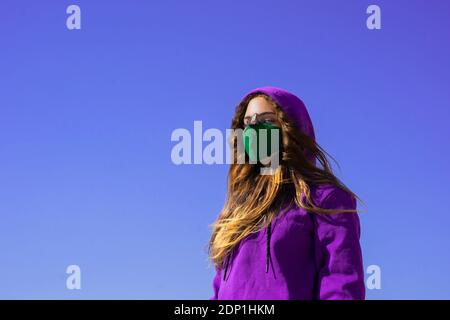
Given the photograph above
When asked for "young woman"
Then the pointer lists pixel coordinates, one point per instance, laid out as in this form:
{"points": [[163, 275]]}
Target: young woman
{"points": [[293, 234]]}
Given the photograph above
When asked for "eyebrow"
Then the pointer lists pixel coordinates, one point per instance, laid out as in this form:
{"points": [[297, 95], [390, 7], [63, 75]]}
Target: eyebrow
{"points": [[260, 114]]}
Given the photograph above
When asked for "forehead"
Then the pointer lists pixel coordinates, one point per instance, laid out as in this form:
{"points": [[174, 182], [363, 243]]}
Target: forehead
{"points": [[259, 105]]}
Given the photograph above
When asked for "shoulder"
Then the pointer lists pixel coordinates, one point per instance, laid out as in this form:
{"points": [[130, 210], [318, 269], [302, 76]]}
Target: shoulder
{"points": [[330, 196]]}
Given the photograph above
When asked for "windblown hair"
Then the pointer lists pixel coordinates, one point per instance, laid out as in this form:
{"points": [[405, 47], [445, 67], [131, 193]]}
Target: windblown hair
{"points": [[253, 200]]}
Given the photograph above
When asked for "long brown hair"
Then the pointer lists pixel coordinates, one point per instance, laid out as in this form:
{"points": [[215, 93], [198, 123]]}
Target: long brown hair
{"points": [[253, 200]]}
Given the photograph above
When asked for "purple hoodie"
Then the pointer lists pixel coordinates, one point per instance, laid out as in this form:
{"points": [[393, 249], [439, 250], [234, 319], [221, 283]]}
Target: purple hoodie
{"points": [[300, 255]]}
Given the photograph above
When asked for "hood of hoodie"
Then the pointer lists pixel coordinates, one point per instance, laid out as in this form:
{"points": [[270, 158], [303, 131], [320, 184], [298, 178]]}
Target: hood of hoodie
{"points": [[296, 110]]}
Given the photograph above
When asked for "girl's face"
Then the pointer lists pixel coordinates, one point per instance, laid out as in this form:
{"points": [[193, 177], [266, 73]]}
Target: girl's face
{"points": [[259, 109]]}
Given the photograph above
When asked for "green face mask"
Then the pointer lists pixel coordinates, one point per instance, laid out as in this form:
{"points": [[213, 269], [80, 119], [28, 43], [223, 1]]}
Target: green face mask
{"points": [[255, 138]]}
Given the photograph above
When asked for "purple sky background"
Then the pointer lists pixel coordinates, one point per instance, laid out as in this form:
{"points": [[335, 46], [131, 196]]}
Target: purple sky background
{"points": [[86, 118]]}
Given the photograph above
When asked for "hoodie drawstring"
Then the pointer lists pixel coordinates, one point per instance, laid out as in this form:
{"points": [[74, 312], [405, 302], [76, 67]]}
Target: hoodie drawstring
{"points": [[227, 260], [268, 233], [268, 246]]}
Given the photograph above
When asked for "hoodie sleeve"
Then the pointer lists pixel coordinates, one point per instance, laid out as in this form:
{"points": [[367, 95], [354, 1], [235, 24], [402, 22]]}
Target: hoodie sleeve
{"points": [[338, 252], [216, 284]]}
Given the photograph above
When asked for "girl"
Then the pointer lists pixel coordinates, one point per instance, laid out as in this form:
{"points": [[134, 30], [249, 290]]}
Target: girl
{"points": [[293, 234]]}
